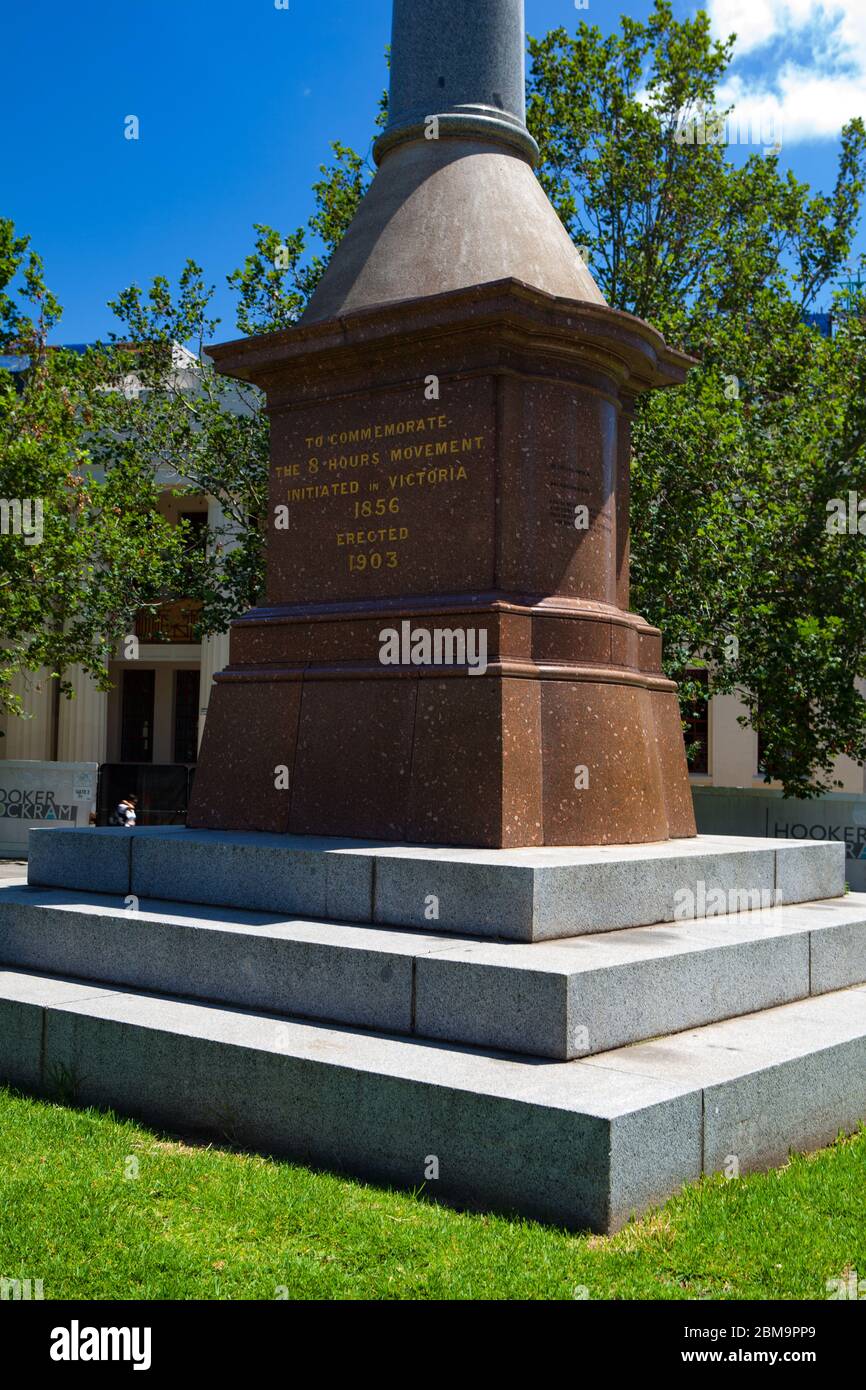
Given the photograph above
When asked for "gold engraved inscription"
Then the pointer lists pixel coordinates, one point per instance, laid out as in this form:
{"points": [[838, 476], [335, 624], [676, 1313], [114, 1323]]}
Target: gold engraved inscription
{"points": [[367, 489]]}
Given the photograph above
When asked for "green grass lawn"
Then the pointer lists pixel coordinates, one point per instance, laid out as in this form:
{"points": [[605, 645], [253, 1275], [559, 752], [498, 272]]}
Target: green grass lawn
{"points": [[206, 1223]]}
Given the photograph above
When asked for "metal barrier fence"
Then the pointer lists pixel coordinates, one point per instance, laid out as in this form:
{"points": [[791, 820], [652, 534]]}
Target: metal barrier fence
{"points": [[163, 791]]}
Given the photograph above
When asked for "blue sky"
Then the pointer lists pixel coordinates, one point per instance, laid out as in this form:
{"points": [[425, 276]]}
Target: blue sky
{"points": [[238, 102]]}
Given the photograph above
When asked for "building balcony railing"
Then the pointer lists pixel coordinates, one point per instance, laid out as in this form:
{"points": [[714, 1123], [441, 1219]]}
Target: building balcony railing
{"points": [[171, 622]]}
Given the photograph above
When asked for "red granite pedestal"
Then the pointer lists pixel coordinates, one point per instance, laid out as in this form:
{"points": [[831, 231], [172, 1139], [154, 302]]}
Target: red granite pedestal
{"points": [[459, 464]]}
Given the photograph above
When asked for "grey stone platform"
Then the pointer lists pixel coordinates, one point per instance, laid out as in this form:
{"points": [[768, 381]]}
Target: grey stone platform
{"points": [[582, 1143], [559, 999], [557, 1041], [519, 895]]}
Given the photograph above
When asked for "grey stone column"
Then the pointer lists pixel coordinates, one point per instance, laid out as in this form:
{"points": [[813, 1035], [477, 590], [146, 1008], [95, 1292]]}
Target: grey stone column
{"points": [[462, 63]]}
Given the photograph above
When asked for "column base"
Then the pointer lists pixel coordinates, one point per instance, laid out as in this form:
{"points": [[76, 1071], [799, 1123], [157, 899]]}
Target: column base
{"points": [[533, 752]]}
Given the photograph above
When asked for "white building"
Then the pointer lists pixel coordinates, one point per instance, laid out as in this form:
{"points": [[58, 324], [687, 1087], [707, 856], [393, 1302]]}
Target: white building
{"points": [[731, 756], [154, 714]]}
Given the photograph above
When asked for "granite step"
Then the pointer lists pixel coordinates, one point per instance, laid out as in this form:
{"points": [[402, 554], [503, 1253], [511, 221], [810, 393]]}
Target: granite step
{"points": [[583, 1144], [521, 895], [559, 999]]}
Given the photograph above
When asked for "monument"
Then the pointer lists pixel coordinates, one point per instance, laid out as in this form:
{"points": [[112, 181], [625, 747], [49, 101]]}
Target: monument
{"points": [[515, 1013], [446, 654]]}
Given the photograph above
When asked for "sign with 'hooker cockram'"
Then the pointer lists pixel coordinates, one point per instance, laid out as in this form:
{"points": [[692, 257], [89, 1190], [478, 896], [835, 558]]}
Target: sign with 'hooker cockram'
{"points": [[42, 793]]}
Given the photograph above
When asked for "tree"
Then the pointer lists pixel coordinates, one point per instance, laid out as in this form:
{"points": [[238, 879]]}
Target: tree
{"points": [[734, 472], [197, 431], [209, 432], [81, 551]]}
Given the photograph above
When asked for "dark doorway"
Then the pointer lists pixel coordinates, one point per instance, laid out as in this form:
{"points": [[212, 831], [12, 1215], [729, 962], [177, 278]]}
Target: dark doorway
{"points": [[696, 719], [186, 693], [136, 718]]}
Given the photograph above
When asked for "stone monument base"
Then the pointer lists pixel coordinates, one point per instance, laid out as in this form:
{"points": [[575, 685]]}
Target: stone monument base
{"points": [[570, 735], [563, 1034], [495, 520]]}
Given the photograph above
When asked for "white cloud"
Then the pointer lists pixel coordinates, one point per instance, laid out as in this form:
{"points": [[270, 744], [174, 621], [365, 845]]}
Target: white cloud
{"points": [[757, 22], [809, 96]]}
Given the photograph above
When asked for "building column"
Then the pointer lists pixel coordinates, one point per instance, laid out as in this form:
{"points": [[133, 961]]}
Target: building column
{"points": [[214, 650], [83, 722], [29, 738], [733, 749], [861, 686], [214, 657]]}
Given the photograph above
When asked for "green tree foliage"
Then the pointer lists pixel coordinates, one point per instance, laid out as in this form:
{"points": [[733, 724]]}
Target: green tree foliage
{"points": [[209, 434], [733, 473], [200, 432], [82, 549]]}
